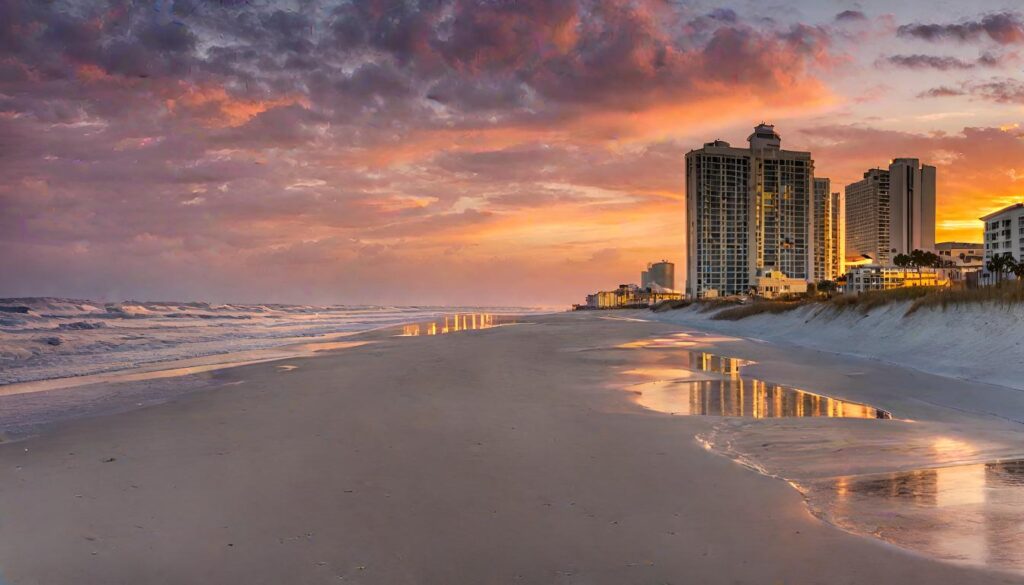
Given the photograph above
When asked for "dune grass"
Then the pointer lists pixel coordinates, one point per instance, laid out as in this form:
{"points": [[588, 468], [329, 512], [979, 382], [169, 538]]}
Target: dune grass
{"points": [[1007, 294], [756, 308], [708, 305], [662, 306]]}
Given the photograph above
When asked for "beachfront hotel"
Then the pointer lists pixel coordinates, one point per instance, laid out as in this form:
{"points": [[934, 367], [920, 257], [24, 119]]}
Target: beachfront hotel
{"points": [[867, 218], [912, 206], [1004, 235], [891, 211], [749, 211]]}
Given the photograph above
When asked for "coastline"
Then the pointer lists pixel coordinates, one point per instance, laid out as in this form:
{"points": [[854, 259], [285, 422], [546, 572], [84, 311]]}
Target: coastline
{"points": [[497, 455]]}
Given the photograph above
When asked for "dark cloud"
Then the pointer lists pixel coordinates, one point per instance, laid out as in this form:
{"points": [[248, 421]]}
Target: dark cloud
{"points": [[1005, 28], [851, 16], [942, 91], [997, 90], [940, 63]]}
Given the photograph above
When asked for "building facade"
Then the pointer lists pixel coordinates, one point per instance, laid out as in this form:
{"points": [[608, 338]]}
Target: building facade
{"points": [[961, 253], [822, 228], [869, 277], [828, 231], [749, 211], [912, 206], [1004, 235], [774, 284], [660, 276], [867, 218], [891, 211], [838, 235]]}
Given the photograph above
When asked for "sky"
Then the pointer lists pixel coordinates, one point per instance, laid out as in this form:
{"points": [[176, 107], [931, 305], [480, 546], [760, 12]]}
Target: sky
{"points": [[512, 152]]}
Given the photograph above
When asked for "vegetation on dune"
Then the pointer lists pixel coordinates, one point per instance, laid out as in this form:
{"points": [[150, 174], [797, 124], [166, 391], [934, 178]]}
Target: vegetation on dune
{"points": [[1007, 293], [756, 308], [662, 306], [707, 305]]}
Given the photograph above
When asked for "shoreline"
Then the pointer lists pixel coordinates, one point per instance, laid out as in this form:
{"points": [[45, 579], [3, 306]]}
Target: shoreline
{"points": [[489, 454]]}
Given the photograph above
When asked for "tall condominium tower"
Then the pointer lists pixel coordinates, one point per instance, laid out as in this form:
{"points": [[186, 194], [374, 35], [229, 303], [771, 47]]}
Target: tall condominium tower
{"points": [[749, 211], [912, 201], [838, 260], [823, 232], [867, 217], [891, 211]]}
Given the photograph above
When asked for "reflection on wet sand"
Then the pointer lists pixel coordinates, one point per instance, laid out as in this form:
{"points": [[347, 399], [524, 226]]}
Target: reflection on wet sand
{"points": [[702, 383], [744, 397], [968, 513], [458, 322]]}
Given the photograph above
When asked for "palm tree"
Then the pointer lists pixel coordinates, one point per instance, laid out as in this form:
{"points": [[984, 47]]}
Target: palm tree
{"points": [[902, 261], [999, 264], [1017, 269]]}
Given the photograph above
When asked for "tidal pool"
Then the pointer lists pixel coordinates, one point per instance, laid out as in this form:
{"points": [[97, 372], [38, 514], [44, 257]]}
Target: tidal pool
{"points": [[967, 513], [701, 383]]}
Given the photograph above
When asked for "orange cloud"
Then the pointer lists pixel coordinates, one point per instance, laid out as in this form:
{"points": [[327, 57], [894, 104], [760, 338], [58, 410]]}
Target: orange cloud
{"points": [[218, 109]]}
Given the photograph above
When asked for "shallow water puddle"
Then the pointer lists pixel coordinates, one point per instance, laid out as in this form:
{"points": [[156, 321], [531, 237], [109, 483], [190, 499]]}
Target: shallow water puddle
{"points": [[457, 322], [967, 513], [744, 398], [702, 383]]}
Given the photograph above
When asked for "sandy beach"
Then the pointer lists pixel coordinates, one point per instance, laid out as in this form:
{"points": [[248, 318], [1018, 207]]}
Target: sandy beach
{"points": [[507, 455]]}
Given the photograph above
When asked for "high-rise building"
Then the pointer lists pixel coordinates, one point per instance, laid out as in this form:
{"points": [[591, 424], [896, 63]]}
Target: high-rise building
{"points": [[867, 218], [838, 234], [823, 233], [912, 202], [1004, 236], [659, 275], [749, 211], [891, 211]]}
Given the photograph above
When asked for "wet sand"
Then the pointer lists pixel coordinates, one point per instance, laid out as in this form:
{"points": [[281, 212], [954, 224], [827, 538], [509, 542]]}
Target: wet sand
{"points": [[506, 455]]}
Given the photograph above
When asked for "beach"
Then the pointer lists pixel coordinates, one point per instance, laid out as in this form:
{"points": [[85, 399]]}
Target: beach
{"points": [[513, 454]]}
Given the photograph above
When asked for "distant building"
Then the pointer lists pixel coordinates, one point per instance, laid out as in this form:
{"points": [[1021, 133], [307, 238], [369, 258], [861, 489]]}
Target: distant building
{"points": [[912, 201], [867, 218], [826, 234], [961, 253], [660, 276], [962, 262], [749, 211], [891, 211], [875, 277], [774, 284], [1004, 235], [628, 296]]}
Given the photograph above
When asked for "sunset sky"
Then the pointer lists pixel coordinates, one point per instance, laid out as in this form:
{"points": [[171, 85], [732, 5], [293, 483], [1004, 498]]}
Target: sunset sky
{"points": [[514, 152]]}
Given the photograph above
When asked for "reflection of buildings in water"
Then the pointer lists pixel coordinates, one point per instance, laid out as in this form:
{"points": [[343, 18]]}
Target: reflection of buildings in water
{"points": [[1004, 513], [458, 322], [973, 513], [759, 399]]}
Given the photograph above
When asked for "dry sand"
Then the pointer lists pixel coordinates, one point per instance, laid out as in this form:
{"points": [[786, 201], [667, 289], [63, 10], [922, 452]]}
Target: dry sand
{"points": [[483, 457]]}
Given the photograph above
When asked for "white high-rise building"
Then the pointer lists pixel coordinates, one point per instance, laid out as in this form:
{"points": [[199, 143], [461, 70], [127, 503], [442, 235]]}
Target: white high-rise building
{"points": [[1004, 235], [749, 212], [867, 218], [912, 204], [891, 211]]}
